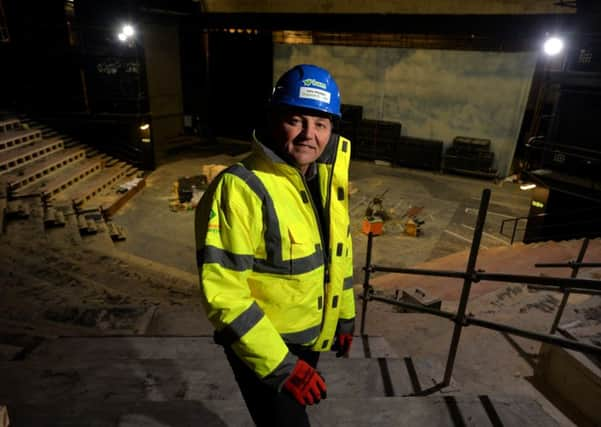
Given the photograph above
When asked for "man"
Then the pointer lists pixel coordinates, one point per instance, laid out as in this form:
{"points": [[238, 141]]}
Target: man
{"points": [[274, 251]]}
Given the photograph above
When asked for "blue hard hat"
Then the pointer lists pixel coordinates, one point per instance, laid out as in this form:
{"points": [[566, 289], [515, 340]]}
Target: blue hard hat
{"points": [[308, 86]]}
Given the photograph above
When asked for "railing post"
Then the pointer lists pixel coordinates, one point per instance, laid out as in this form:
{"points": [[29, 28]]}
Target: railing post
{"points": [[467, 284], [515, 227], [566, 291], [367, 272]]}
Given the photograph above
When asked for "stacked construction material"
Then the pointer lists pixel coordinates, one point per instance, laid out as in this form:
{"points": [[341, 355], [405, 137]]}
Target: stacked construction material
{"points": [[470, 156], [351, 117], [419, 153], [377, 140]]}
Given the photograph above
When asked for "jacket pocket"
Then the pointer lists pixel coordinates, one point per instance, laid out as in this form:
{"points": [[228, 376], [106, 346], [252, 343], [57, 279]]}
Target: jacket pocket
{"points": [[304, 255]]}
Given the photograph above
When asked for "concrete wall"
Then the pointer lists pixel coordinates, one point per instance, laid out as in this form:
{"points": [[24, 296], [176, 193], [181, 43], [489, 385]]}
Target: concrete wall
{"points": [[161, 49], [435, 94], [574, 379], [387, 6]]}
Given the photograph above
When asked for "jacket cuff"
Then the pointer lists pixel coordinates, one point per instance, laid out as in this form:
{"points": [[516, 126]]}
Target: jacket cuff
{"points": [[280, 375], [345, 326]]}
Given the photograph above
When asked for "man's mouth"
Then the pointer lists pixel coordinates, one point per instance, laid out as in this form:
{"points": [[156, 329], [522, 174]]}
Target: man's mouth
{"points": [[300, 144]]}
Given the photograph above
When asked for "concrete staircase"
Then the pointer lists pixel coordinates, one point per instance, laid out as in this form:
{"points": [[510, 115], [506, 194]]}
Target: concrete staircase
{"points": [[157, 381], [40, 167], [106, 368]]}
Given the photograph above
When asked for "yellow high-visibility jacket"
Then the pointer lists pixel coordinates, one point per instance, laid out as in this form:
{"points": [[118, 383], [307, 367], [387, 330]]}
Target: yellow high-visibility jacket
{"points": [[265, 278]]}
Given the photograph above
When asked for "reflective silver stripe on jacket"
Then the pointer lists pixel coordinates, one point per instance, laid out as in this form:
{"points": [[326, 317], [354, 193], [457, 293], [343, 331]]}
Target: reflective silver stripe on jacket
{"points": [[274, 263]]}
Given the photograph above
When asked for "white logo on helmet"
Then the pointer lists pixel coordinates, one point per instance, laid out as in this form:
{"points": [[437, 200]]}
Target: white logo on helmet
{"points": [[313, 82]]}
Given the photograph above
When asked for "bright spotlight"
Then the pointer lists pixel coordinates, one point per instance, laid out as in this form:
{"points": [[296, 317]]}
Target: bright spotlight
{"points": [[128, 30], [553, 46], [122, 37], [145, 126]]}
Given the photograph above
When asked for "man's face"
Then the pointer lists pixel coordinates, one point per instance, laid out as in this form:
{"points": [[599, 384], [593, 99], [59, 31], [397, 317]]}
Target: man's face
{"points": [[301, 136]]}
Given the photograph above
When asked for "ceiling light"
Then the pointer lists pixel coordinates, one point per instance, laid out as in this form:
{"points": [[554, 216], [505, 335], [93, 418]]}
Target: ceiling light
{"points": [[553, 46], [128, 30], [122, 37], [144, 126]]}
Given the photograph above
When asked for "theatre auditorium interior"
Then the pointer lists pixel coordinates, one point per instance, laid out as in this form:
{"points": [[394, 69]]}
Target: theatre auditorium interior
{"points": [[474, 203]]}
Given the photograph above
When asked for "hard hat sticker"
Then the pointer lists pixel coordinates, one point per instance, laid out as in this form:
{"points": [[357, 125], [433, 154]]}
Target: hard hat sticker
{"points": [[313, 82], [313, 93]]}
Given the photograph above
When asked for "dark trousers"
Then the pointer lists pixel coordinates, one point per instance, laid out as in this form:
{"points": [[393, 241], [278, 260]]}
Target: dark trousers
{"points": [[267, 407]]}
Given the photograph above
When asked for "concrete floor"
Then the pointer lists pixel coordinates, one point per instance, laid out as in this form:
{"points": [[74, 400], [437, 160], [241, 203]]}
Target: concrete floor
{"points": [[450, 204]]}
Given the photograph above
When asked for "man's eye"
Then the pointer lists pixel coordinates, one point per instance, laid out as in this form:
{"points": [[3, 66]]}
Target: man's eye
{"points": [[294, 122]]}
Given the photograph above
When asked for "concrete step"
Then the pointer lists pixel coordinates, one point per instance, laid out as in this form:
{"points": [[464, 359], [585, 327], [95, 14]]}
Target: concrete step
{"points": [[65, 178], [164, 379], [18, 138], [573, 379], [94, 186], [71, 142], [30, 174], [177, 348], [14, 159], [114, 197], [123, 276], [7, 125], [49, 133], [439, 411]]}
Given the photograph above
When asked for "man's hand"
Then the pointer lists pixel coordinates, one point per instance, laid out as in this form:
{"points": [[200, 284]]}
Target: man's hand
{"points": [[305, 384], [343, 344]]}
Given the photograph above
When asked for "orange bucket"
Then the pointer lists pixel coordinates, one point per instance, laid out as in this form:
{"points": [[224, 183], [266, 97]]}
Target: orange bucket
{"points": [[372, 225]]}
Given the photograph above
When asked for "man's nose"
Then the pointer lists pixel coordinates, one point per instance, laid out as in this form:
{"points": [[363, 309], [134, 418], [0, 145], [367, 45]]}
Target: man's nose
{"points": [[309, 129]]}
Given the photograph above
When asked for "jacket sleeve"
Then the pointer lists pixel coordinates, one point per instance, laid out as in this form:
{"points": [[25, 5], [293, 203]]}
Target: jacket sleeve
{"points": [[228, 225]]}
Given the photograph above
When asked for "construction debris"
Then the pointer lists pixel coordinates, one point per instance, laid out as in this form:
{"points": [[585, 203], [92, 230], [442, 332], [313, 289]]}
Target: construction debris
{"points": [[17, 210], [375, 215], [412, 225], [188, 187], [116, 232], [416, 296], [132, 183], [187, 192], [53, 217], [211, 171], [376, 209]]}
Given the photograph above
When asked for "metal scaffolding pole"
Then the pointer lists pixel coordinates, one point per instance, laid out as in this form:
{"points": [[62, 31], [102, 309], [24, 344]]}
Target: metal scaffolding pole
{"points": [[471, 275], [366, 286], [467, 284], [566, 292], [471, 320]]}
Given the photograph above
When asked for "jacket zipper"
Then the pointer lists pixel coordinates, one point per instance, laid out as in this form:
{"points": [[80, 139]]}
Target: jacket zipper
{"points": [[319, 226]]}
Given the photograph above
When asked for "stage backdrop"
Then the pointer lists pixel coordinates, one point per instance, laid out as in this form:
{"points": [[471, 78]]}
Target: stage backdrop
{"points": [[436, 94]]}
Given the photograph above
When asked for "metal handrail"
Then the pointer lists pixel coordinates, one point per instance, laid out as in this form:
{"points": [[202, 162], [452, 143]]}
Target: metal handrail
{"points": [[575, 266], [516, 220], [553, 146], [471, 275], [481, 275]]}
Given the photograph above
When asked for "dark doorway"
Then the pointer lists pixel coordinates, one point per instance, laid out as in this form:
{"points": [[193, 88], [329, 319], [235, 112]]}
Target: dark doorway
{"points": [[241, 80]]}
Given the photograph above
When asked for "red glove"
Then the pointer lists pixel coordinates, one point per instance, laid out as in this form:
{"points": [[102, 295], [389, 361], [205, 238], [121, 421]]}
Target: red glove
{"points": [[305, 384], [343, 344]]}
